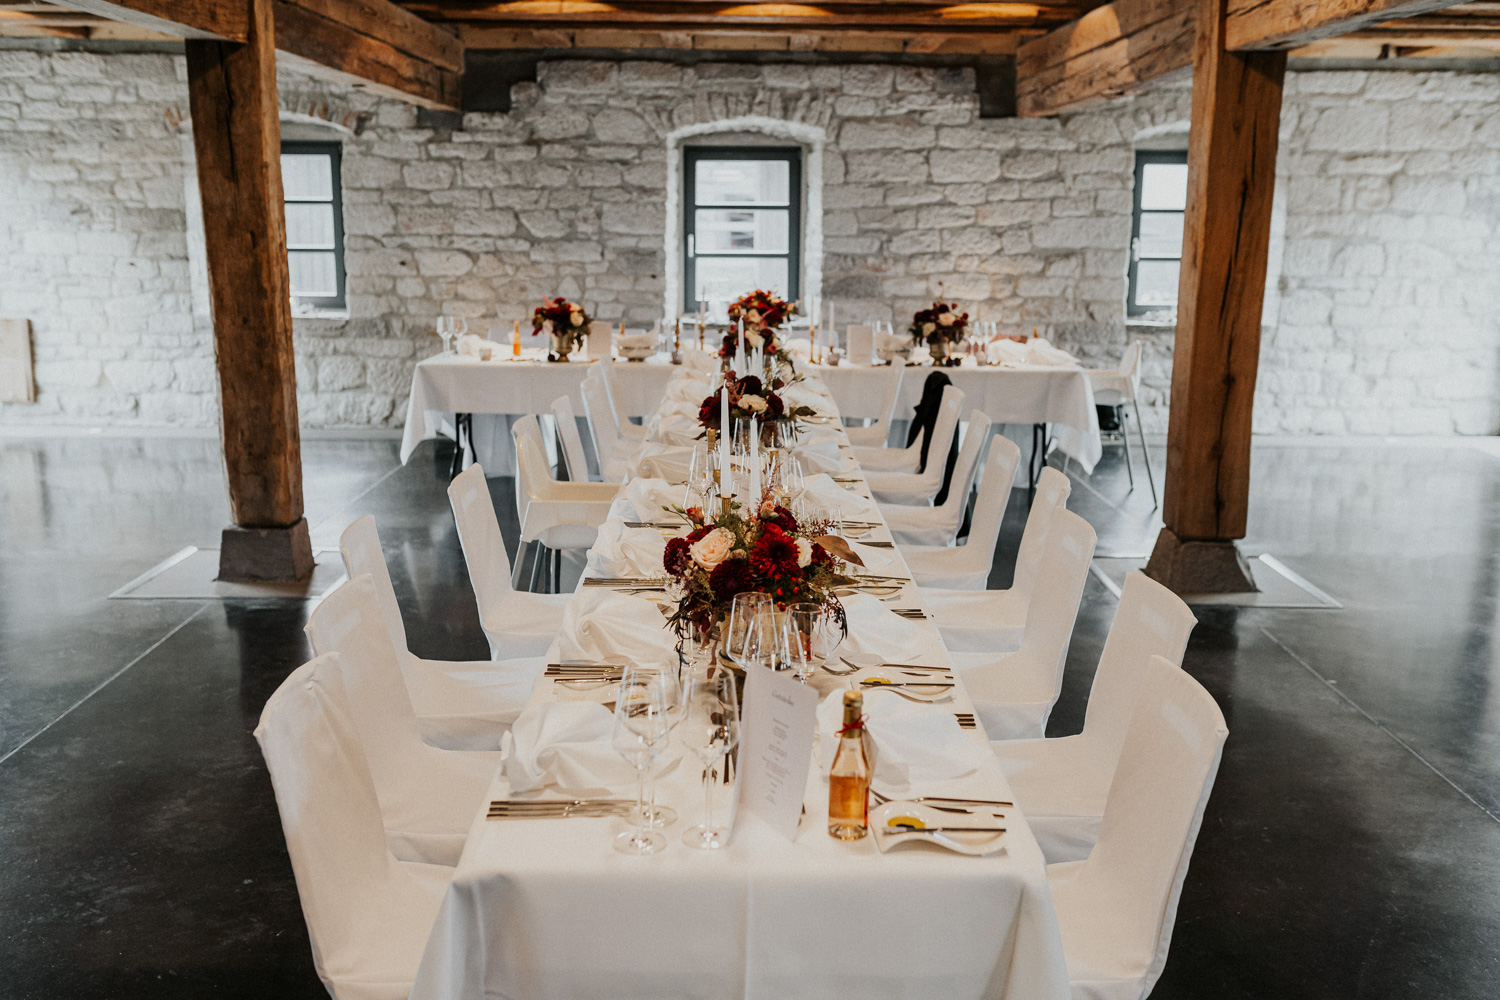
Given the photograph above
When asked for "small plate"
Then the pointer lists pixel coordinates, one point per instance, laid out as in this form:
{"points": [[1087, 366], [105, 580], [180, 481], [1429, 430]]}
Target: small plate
{"points": [[978, 843], [910, 687]]}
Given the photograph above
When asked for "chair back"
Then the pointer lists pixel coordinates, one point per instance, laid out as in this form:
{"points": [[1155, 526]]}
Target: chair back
{"points": [[976, 437], [601, 420], [606, 370], [891, 393], [1052, 491], [1149, 621], [1055, 599], [978, 552], [1130, 365], [1120, 906], [329, 810], [363, 555], [567, 428], [479, 537]]}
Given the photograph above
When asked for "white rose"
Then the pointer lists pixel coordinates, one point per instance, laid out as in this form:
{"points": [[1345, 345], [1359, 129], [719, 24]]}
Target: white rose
{"points": [[754, 339], [928, 327], [804, 553], [576, 316], [946, 319], [712, 548], [755, 404], [752, 316]]}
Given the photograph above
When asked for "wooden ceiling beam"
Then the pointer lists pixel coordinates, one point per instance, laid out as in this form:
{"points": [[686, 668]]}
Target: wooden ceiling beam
{"points": [[671, 15], [1286, 24], [221, 20]]}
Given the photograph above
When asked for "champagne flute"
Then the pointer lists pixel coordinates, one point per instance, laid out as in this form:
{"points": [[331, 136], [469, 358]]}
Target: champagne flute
{"points": [[712, 729], [640, 731]]}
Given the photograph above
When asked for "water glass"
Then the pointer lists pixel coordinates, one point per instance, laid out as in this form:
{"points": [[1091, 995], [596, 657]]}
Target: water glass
{"points": [[711, 728], [640, 733], [739, 631]]}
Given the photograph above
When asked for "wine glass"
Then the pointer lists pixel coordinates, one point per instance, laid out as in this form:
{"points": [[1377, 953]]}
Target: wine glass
{"points": [[771, 645], [832, 517], [460, 327], [641, 727], [739, 632], [816, 630], [445, 331], [712, 728], [656, 816]]}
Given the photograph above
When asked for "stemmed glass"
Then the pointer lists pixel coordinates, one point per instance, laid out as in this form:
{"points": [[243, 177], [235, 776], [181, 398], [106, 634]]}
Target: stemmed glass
{"points": [[771, 645], [657, 816], [641, 727], [739, 631], [700, 476], [816, 632], [445, 331], [712, 729]]}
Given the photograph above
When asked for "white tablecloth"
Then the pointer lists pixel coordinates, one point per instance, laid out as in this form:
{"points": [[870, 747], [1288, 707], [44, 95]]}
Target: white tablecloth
{"points": [[548, 909], [1061, 397]]}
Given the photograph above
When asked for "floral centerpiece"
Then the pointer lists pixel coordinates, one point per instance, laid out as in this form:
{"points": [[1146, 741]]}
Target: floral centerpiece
{"points": [[939, 326], [566, 322], [751, 397], [763, 313]]}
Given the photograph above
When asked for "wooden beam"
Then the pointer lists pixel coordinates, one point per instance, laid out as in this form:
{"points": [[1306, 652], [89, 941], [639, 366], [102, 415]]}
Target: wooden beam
{"points": [[225, 20], [237, 138], [1284, 24], [1236, 113]]}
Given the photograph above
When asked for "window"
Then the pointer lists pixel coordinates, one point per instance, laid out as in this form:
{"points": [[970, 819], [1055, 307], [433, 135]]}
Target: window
{"points": [[314, 223], [742, 223], [1156, 231]]}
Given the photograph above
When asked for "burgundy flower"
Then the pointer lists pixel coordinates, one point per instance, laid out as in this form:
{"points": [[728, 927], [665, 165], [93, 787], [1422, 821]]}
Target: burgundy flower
{"points": [[775, 554], [781, 518], [730, 577], [749, 386], [774, 406], [676, 559], [697, 533]]}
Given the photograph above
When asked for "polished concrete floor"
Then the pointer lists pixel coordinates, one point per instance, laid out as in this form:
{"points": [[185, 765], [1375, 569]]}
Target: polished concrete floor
{"points": [[1351, 848]]}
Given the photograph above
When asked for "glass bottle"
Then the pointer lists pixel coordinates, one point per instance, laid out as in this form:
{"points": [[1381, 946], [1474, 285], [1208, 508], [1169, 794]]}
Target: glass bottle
{"points": [[849, 777]]}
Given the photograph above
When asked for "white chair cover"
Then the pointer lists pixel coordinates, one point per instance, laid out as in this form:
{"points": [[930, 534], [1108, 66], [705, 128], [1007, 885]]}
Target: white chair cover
{"points": [[876, 434], [460, 705], [607, 445], [967, 566], [1014, 693], [1113, 386], [567, 429], [1062, 784], [368, 915], [428, 796], [921, 487], [628, 433], [560, 515], [1116, 909], [939, 525], [517, 623]]}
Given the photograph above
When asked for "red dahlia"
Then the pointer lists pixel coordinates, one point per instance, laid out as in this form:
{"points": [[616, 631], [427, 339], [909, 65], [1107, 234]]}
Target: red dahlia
{"points": [[676, 558], [775, 554], [730, 577]]}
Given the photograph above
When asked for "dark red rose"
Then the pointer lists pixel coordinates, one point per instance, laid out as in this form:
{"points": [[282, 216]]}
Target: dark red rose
{"points": [[697, 533], [730, 577], [749, 386], [774, 406], [676, 559], [821, 556], [781, 518]]}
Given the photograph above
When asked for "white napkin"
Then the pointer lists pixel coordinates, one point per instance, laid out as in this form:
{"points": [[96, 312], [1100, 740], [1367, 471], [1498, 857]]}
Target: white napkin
{"points": [[566, 744], [475, 346], [876, 560], [821, 491], [663, 462], [876, 629], [600, 624], [688, 390], [643, 500], [802, 394], [1041, 352], [674, 423], [622, 551], [801, 350], [1002, 351], [822, 456], [915, 743]]}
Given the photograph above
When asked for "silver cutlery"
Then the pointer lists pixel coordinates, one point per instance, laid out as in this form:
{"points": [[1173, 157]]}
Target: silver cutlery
{"points": [[901, 684], [881, 800], [907, 828], [557, 809]]}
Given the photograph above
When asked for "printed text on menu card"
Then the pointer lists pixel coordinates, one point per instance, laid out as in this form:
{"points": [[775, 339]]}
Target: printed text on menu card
{"points": [[779, 720]]}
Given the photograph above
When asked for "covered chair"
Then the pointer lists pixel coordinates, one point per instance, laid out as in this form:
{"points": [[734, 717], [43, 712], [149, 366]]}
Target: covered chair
{"points": [[516, 623], [574, 459], [967, 566], [973, 619], [611, 451], [460, 705], [918, 435], [1014, 693], [874, 435], [1062, 784], [632, 434], [1116, 909], [939, 524], [1114, 387], [368, 915], [561, 516], [428, 797], [929, 482]]}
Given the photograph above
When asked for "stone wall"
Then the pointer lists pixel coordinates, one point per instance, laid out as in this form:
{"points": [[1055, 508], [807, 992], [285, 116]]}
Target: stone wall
{"points": [[1382, 321]]}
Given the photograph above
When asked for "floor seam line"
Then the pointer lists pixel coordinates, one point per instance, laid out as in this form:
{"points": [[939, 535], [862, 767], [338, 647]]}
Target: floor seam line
{"points": [[355, 499], [105, 683], [1344, 696]]}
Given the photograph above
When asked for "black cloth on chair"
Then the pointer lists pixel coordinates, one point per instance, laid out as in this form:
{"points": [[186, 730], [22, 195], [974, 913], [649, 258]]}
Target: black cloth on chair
{"points": [[924, 419]]}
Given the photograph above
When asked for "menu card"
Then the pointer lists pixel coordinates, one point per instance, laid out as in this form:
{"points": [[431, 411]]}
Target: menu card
{"points": [[778, 720]]}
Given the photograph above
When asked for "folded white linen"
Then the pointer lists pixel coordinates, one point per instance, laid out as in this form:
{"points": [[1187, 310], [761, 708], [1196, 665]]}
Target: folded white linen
{"points": [[1040, 351], [876, 629], [475, 347], [800, 350], [876, 560], [822, 456], [802, 394], [688, 389], [1001, 351], [821, 491], [622, 551], [915, 743], [566, 744], [670, 462], [643, 500], [674, 423], [603, 625]]}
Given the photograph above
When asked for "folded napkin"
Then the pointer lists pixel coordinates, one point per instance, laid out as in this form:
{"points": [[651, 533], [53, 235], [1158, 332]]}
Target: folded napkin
{"points": [[915, 743], [877, 630], [689, 389], [567, 744], [802, 394], [821, 491], [876, 560], [601, 624], [822, 456], [669, 462], [1040, 352], [622, 551], [475, 347], [1002, 351], [674, 423], [801, 350]]}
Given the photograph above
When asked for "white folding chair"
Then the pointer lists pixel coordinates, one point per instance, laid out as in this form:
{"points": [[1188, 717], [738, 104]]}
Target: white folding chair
{"points": [[460, 705], [561, 516], [608, 448], [920, 487], [368, 915], [574, 459], [631, 434], [1117, 908], [1115, 387], [876, 434], [515, 622], [1062, 784], [1014, 693], [967, 566], [939, 524], [427, 796], [971, 618]]}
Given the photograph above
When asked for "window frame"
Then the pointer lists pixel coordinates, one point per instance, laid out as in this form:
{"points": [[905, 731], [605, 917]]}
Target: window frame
{"points": [[335, 153], [691, 155], [1142, 158]]}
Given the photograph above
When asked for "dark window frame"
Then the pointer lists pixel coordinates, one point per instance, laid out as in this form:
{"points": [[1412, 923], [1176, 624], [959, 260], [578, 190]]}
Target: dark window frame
{"points": [[792, 155], [1142, 158], [335, 152]]}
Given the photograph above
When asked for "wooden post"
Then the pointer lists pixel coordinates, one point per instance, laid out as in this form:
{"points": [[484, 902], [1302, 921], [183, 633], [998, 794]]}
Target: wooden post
{"points": [[237, 137], [1231, 177]]}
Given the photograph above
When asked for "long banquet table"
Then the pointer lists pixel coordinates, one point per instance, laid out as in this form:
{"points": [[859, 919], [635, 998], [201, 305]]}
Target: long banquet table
{"points": [[547, 909]]}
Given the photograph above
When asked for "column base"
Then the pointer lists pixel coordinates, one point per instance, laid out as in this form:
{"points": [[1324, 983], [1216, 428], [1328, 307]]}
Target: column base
{"points": [[1193, 567], [265, 555]]}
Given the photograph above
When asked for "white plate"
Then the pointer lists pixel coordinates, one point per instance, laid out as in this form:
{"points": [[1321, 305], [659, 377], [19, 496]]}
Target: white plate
{"points": [[977, 844], [921, 692]]}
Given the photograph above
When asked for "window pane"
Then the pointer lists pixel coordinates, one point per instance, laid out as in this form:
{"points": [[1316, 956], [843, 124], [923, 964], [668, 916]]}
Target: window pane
{"points": [[735, 230], [1164, 186], [1161, 235], [307, 176], [309, 226], [742, 182], [1156, 282], [313, 274], [721, 279]]}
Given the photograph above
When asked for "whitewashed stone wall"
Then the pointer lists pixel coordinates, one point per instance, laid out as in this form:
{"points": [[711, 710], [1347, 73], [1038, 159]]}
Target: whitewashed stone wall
{"points": [[1383, 322]]}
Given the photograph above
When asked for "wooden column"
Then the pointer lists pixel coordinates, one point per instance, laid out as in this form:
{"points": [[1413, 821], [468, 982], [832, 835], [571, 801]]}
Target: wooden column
{"points": [[237, 137], [1236, 113]]}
